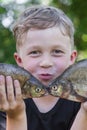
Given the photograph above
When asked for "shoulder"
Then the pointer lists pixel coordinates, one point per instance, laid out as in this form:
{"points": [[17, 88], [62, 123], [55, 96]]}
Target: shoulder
{"points": [[69, 106]]}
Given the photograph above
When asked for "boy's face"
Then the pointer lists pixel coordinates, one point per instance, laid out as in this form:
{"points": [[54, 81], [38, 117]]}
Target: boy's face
{"points": [[45, 54]]}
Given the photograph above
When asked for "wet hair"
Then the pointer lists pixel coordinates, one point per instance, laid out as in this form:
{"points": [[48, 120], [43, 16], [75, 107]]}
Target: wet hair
{"points": [[42, 17]]}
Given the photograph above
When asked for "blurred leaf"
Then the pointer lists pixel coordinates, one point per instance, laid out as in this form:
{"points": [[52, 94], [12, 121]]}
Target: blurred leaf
{"points": [[2, 10]]}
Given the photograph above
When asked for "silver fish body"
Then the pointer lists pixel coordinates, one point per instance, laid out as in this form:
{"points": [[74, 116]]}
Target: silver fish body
{"points": [[72, 83], [30, 86]]}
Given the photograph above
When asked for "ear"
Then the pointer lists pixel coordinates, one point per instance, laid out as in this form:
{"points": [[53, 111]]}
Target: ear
{"points": [[73, 56], [18, 59]]}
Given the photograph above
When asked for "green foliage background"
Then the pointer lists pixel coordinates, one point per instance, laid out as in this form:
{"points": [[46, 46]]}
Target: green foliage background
{"points": [[75, 9]]}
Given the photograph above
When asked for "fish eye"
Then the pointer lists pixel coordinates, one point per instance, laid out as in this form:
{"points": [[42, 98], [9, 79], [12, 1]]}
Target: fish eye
{"points": [[38, 90], [54, 88]]}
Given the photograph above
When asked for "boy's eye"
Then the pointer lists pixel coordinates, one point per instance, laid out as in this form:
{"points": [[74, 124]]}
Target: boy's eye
{"points": [[35, 53], [57, 52]]}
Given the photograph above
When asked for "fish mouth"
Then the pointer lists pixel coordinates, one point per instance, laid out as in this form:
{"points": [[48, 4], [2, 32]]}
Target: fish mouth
{"points": [[48, 89]]}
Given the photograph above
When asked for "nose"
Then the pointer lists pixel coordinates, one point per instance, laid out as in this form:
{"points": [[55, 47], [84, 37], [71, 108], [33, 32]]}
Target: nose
{"points": [[46, 61]]}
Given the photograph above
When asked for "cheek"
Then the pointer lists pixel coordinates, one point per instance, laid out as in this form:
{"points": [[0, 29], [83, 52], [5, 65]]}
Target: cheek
{"points": [[30, 66], [61, 65]]}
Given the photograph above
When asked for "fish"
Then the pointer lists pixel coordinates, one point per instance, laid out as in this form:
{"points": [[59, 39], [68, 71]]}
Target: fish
{"points": [[30, 86], [72, 83]]}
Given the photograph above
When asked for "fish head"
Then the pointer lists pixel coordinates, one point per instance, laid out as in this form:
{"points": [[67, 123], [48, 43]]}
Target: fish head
{"points": [[55, 88], [33, 88], [59, 88]]}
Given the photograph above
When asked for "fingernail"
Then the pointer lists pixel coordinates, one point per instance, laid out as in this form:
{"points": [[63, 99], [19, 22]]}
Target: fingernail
{"points": [[8, 77], [1, 77]]}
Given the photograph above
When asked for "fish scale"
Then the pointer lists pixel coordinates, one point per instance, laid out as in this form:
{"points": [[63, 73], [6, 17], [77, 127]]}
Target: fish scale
{"points": [[72, 83], [30, 86]]}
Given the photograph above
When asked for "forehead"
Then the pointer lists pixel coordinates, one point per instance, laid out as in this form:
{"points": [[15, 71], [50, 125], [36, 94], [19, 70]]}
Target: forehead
{"points": [[47, 38], [48, 34]]}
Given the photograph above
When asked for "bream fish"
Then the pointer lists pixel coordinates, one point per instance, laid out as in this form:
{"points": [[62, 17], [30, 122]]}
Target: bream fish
{"points": [[30, 86], [72, 83]]}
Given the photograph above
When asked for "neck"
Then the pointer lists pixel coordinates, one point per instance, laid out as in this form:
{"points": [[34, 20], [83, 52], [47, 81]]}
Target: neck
{"points": [[45, 104]]}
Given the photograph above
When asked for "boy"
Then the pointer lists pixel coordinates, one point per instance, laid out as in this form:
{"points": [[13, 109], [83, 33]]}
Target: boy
{"points": [[45, 48]]}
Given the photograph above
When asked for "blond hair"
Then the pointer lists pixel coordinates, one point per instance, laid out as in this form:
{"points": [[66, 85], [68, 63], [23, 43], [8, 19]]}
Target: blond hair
{"points": [[42, 17]]}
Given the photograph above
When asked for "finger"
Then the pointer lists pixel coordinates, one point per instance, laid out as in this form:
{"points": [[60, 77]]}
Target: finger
{"points": [[17, 87], [3, 97], [10, 89], [2, 89]]}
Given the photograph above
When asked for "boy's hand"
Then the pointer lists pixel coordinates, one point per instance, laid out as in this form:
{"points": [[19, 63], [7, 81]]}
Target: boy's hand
{"points": [[84, 108], [10, 97], [80, 122]]}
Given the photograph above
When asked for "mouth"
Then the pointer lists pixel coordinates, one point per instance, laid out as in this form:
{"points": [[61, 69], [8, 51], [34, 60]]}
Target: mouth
{"points": [[45, 76]]}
